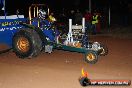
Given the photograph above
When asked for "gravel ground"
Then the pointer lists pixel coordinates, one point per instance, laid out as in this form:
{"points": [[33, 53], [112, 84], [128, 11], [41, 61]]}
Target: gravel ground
{"points": [[61, 69]]}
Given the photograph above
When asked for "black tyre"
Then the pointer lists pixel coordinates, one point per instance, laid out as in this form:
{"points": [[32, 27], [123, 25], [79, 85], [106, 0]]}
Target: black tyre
{"points": [[84, 81], [26, 43], [91, 57], [104, 50]]}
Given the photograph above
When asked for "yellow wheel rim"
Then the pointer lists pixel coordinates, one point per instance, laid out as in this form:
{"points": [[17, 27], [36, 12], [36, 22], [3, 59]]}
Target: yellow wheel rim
{"points": [[90, 57], [23, 44]]}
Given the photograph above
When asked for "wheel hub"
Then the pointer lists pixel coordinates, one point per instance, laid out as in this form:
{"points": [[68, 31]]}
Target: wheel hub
{"points": [[23, 44], [90, 57]]}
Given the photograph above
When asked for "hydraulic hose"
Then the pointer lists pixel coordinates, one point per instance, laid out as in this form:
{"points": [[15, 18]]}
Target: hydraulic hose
{"points": [[4, 51]]}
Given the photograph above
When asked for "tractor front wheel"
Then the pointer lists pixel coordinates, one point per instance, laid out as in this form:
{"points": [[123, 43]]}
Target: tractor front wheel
{"points": [[26, 43]]}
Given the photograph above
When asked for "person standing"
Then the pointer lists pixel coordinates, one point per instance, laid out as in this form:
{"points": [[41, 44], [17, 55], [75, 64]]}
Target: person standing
{"points": [[72, 16], [98, 25], [94, 23], [88, 19], [78, 17]]}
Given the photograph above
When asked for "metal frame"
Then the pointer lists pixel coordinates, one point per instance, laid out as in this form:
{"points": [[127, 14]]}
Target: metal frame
{"points": [[36, 9]]}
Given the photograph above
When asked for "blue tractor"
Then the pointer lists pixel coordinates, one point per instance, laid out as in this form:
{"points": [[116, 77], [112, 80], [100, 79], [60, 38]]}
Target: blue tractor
{"points": [[28, 37]]}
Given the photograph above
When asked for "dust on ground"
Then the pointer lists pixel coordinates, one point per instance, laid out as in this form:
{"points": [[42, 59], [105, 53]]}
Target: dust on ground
{"points": [[61, 69]]}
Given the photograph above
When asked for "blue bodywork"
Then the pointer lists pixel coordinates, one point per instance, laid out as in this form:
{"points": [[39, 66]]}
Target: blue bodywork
{"points": [[48, 29], [8, 27]]}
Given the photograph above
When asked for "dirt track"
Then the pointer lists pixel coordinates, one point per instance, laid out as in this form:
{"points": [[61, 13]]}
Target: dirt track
{"points": [[61, 69]]}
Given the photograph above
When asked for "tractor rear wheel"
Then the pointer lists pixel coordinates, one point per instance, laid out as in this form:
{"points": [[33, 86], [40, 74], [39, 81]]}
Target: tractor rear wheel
{"points": [[26, 43], [91, 57]]}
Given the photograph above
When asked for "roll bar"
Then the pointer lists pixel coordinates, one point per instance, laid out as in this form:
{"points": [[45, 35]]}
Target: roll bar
{"points": [[35, 10]]}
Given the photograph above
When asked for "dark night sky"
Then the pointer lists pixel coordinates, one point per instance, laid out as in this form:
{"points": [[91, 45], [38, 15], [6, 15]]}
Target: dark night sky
{"points": [[120, 9], [68, 4], [63, 3]]}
